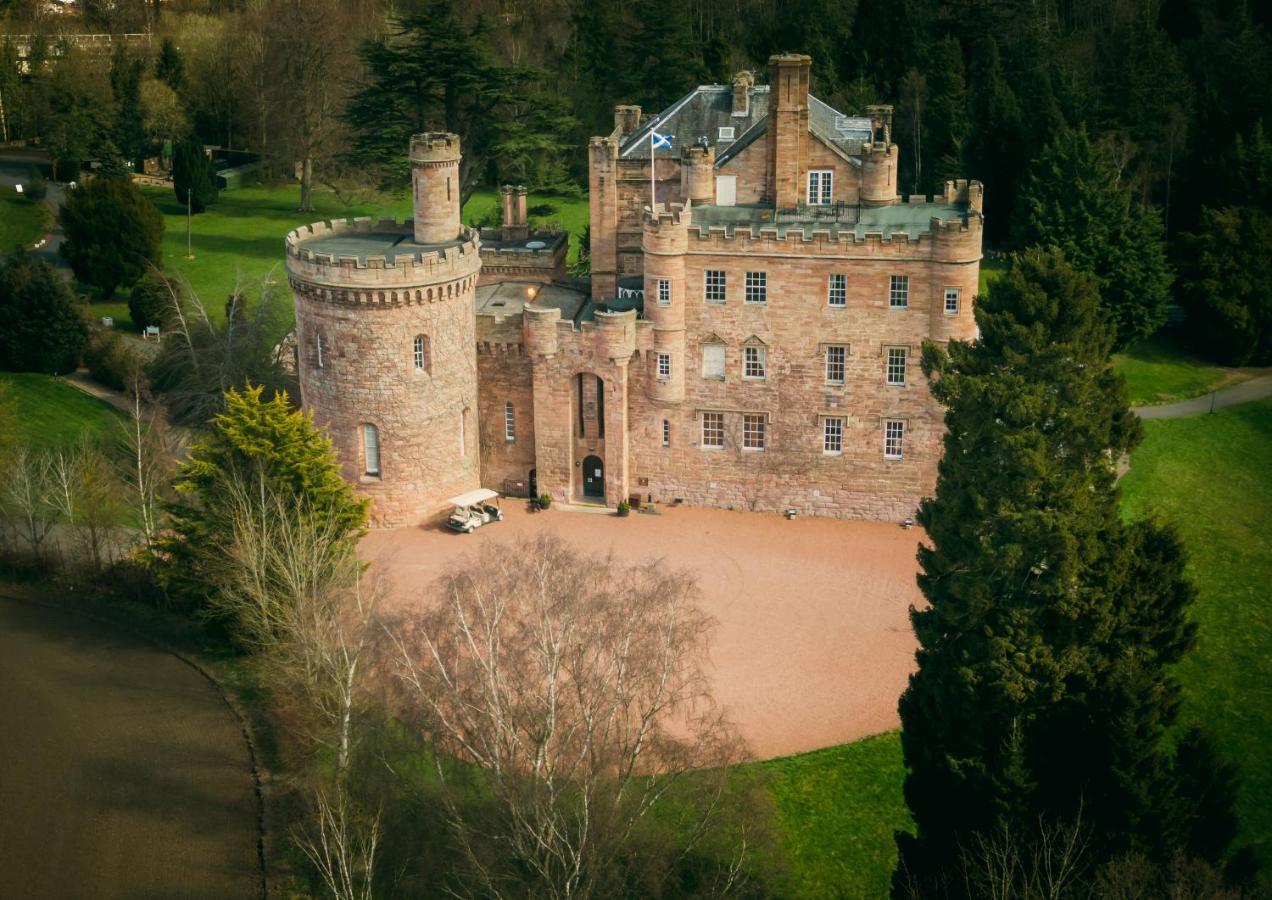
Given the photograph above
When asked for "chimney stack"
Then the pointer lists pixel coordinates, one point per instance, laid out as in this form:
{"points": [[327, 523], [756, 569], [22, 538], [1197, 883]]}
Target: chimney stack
{"points": [[514, 213], [742, 84], [626, 119], [788, 127]]}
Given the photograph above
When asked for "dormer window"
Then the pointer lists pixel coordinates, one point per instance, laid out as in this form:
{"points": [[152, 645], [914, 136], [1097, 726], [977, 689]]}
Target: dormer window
{"points": [[726, 133]]}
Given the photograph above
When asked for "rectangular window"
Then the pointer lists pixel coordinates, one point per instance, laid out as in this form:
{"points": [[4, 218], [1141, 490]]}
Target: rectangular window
{"points": [[893, 438], [896, 366], [820, 187], [371, 449], [833, 435], [726, 132], [837, 293], [318, 345], [666, 433], [510, 424], [899, 291], [753, 363], [951, 301], [756, 287], [664, 292], [713, 430], [836, 354], [753, 432], [664, 366], [419, 352], [715, 286], [713, 360]]}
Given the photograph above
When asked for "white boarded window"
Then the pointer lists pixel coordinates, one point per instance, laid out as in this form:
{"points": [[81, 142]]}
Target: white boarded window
{"points": [[837, 290], [371, 449], [896, 366], [836, 357], [753, 361], [510, 424], [713, 430], [726, 133], [664, 292], [951, 301], [756, 287], [899, 291], [666, 433], [715, 286], [820, 187], [753, 432], [664, 366], [833, 435], [893, 438], [713, 360]]}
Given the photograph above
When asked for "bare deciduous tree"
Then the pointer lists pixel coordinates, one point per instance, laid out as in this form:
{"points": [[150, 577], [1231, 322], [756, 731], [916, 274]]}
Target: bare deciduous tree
{"points": [[566, 693], [27, 498], [150, 449], [342, 845], [1046, 865], [87, 497]]}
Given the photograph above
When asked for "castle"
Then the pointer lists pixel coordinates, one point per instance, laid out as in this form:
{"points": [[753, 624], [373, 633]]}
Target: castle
{"points": [[749, 337]]}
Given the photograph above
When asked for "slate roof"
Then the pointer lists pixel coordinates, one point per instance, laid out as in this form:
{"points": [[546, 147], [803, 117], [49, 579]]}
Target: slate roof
{"points": [[702, 112]]}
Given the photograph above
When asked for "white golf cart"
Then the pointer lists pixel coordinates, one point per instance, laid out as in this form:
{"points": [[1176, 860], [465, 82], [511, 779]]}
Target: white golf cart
{"points": [[474, 509]]}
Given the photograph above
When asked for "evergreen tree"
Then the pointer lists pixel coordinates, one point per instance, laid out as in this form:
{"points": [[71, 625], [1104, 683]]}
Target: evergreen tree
{"points": [[1042, 694], [129, 133], [170, 65], [947, 121], [1074, 202], [995, 152], [44, 329], [253, 444], [113, 233], [193, 176]]}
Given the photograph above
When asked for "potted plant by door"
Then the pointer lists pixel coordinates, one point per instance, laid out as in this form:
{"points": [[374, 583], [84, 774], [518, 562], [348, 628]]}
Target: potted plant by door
{"points": [[545, 500], [624, 508]]}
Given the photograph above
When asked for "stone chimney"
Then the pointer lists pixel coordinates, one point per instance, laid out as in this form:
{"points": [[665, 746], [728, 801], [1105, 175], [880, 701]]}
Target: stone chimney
{"points": [[788, 127], [742, 84], [626, 119], [514, 213], [880, 123]]}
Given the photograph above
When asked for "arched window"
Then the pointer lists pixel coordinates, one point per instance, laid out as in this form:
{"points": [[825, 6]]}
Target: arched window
{"points": [[419, 353], [371, 449]]}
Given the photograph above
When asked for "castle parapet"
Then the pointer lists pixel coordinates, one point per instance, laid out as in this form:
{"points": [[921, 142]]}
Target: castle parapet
{"points": [[540, 328], [615, 334], [321, 263]]}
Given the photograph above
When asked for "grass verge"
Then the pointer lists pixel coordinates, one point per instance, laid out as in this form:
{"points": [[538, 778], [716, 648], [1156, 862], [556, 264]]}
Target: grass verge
{"points": [[53, 414], [22, 221], [1159, 370], [1211, 475]]}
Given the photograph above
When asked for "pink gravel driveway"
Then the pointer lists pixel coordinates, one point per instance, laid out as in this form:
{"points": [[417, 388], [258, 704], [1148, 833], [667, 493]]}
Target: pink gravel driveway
{"points": [[814, 642]]}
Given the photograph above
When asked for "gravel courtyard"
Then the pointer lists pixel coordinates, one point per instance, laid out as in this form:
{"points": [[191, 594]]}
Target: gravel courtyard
{"points": [[814, 643]]}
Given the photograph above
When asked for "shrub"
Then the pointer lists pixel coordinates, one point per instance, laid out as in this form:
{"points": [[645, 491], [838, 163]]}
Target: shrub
{"points": [[194, 173], [545, 500], [110, 361], [44, 328], [151, 301], [66, 169], [113, 233]]}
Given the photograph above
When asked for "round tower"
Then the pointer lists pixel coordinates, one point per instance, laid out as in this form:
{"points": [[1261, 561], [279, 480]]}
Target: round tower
{"points": [[435, 183], [387, 346], [665, 242], [697, 174]]}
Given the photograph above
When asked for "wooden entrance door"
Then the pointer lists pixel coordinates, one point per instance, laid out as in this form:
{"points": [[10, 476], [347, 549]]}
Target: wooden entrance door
{"points": [[593, 478]]}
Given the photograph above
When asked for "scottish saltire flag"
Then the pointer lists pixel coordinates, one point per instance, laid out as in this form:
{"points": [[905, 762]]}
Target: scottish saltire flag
{"points": [[660, 141]]}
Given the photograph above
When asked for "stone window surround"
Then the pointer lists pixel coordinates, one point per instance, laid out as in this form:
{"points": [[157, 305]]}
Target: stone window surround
{"points": [[898, 292], [837, 291], [836, 362], [754, 432], [419, 353], [663, 361], [896, 361], [510, 423], [664, 291], [754, 362], [719, 365], [893, 438], [370, 455], [756, 288], [821, 187], [712, 430], [319, 357], [666, 432], [833, 435]]}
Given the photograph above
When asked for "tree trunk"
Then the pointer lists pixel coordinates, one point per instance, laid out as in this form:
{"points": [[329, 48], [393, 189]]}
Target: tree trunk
{"points": [[307, 184]]}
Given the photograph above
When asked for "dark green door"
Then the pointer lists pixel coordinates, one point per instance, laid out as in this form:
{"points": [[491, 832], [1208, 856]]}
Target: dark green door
{"points": [[593, 477]]}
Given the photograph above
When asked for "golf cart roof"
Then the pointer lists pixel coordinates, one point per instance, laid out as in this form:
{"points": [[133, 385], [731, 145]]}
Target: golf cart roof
{"points": [[481, 495]]}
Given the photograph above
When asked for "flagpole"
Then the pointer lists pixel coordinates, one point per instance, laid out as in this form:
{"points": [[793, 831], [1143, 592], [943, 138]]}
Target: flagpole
{"points": [[651, 173]]}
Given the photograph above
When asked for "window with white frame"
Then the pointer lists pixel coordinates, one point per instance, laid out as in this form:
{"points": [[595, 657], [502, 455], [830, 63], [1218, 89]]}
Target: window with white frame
{"points": [[318, 351], [713, 430], [713, 360], [756, 287], [715, 286], [837, 291], [510, 424], [371, 450], [836, 355], [753, 359], [896, 366], [726, 133], [820, 187], [666, 433], [664, 292], [753, 435], [951, 301], [664, 366], [833, 435], [893, 438], [419, 350], [899, 291]]}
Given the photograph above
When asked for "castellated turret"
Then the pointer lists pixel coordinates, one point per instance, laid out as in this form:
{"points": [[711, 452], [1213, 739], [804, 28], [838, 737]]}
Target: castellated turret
{"points": [[386, 341]]}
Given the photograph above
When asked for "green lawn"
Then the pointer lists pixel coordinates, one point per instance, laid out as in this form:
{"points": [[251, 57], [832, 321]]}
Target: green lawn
{"points": [[51, 413], [239, 241], [837, 810], [1211, 475], [1159, 370], [22, 221], [992, 266]]}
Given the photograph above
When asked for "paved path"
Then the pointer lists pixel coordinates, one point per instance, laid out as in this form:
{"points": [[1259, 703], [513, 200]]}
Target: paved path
{"points": [[122, 772], [1254, 389], [15, 167]]}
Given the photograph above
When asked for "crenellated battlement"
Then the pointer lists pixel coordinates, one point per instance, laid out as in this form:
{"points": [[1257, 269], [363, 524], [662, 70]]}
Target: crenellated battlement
{"points": [[661, 216], [434, 147], [408, 265]]}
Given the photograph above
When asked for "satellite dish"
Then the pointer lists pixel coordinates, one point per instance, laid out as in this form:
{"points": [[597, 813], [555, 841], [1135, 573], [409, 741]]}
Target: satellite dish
{"points": [[535, 245]]}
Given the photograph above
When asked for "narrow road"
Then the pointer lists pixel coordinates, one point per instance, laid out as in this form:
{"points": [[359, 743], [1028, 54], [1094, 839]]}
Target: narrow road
{"points": [[1254, 389], [122, 772], [15, 167]]}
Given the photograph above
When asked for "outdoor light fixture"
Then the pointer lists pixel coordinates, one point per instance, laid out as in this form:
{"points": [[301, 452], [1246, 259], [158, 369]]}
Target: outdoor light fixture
{"points": [[531, 291]]}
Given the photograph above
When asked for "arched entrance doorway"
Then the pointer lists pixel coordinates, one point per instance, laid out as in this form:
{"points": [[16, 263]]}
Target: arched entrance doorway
{"points": [[593, 478]]}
